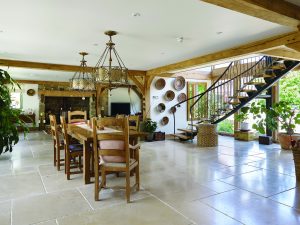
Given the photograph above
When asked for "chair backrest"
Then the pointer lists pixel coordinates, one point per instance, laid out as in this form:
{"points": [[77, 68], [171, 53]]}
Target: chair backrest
{"points": [[77, 116], [111, 147], [134, 122], [120, 116], [54, 130], [64, 131]]}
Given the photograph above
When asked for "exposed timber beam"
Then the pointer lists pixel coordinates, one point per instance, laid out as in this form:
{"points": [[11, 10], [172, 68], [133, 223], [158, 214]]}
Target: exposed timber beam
{"points": [[283, 53], [276, 11], [239, 51], [295, 46], [41, 82], [56, 67]]}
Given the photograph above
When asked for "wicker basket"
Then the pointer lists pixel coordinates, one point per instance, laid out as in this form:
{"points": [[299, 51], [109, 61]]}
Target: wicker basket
{"points": [[207, 135], [296, 155]]}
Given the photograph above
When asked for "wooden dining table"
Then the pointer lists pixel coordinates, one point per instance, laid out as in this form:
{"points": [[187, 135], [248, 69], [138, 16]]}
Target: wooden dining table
{"points": [[84, 134]]}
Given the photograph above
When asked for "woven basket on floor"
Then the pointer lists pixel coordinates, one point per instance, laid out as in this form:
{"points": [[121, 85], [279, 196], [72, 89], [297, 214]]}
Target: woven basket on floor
{"points": [[296, 155], [207, 135]]}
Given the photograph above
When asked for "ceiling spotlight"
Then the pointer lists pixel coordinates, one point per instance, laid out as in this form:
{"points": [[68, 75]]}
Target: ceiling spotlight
{"points": [[95, 44], [136, 14], [219, 32], [179, 39], [1, 31]]}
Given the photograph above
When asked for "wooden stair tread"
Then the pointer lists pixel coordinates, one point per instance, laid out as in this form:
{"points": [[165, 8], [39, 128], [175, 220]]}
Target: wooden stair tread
{"points": [[278, 67], [263, 75], [238, 97], [247, 90], [187, 130], [255, 83], [182, 136]]}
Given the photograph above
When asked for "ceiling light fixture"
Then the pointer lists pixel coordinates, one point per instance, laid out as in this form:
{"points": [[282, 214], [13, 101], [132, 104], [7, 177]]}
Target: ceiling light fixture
{"points": [[179, 39], [82, 79], [111, 75], [136, 14]]}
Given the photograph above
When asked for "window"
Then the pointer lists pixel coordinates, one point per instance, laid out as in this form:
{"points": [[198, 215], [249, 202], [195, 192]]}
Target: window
{"points": [[200, 109]]}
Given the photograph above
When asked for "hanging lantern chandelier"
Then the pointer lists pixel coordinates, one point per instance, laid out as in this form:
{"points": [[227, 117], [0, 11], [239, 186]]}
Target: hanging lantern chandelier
{"points": [[108, 73], [82, 79]]}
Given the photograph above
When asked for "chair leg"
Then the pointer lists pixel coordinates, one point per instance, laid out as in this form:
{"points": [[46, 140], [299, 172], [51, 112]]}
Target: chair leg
{"points": [[103, 178], [68, 165], [58, 158], [96, 171], [128, 186], [137, 177], [54, 151], [79, 162], [65, 160]]}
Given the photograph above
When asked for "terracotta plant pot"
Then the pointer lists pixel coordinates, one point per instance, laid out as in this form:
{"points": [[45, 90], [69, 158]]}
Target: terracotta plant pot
{"points": [[285, 140]]}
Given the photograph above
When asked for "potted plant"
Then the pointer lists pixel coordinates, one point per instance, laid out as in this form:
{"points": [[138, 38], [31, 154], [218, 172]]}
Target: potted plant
{"points": [[9, 117], [242, 117], [149, 127], [282, 114]]}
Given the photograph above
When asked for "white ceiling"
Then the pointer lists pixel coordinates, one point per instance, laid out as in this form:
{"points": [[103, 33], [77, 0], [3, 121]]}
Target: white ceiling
{"points": [[54, 31]]}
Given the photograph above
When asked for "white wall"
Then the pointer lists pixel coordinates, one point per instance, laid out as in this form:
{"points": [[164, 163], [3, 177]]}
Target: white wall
{"points": [[122, 95], [157, 96], [30, 102]]}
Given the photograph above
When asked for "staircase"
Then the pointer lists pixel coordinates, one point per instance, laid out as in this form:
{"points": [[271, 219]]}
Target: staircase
{"points": [[242, 81]]}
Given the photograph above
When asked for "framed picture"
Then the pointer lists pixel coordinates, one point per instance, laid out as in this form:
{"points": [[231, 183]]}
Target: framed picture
{"points": [[16, 100]]}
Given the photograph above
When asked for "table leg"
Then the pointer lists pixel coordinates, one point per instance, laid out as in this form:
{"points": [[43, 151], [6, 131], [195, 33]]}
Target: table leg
{"points": [[86, 162]]}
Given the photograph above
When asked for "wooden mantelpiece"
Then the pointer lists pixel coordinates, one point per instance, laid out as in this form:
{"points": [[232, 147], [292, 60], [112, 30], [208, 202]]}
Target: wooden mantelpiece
{"points": [[66, 93]]}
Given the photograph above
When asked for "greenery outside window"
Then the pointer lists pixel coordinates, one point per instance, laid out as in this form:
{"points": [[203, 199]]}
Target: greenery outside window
{"points": [[200, 109]]}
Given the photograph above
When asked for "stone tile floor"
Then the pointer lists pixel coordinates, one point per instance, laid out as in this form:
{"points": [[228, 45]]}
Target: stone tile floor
{"points": [[234, 183]]}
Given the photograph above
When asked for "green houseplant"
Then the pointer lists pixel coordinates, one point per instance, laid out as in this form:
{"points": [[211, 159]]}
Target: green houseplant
{"points": [[242, 117], [283, 114], [9, 117], [149, 127]]}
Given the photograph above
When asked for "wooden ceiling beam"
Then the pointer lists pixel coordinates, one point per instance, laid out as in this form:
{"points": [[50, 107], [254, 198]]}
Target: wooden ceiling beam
{"points": [[239, 51], [55, 67], [276, 11], [41, 82], [295, 46], [283, 53]]}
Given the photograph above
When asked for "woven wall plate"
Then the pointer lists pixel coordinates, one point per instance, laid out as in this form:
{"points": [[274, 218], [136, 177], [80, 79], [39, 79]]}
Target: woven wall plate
{"points": [[181, 97], [30, 92], [173, 109], [164, 121], [170, 95], [160, 84], [161, 107], [179, 83]]}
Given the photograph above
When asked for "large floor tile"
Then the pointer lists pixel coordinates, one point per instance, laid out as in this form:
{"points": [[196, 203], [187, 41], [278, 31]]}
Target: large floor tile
{"points": [[16, 186], [262, 182], [109, 197], [200, 213], [252, 209], [146, 211], [59, 182], [48, 206], [5, 213], [290, 198]]}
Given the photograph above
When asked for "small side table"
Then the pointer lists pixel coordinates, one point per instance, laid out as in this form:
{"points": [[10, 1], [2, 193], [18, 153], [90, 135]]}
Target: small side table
{"points": [[244, 135]]}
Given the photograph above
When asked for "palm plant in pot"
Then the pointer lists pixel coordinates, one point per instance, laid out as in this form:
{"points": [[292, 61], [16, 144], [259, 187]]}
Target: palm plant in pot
{"points": [[9, 117], [149, 127], [243, 117], [283, 114]]}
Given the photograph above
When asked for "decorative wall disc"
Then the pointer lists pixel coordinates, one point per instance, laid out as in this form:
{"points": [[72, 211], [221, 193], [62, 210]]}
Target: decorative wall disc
{"points": [[31, 92], [164, 121], [170, 95], [179, 83], [181, 97], [160, 84], [161, 107]]}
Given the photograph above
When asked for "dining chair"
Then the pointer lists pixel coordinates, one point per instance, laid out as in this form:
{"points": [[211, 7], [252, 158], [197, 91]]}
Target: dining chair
{"points": [[58, 146], [134, 122], [77, 116], [120, 116], [112, 154], [72, 151]]}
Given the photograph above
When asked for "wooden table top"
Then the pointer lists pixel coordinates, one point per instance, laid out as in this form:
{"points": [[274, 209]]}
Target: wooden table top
{"points": [[84, 132]]}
